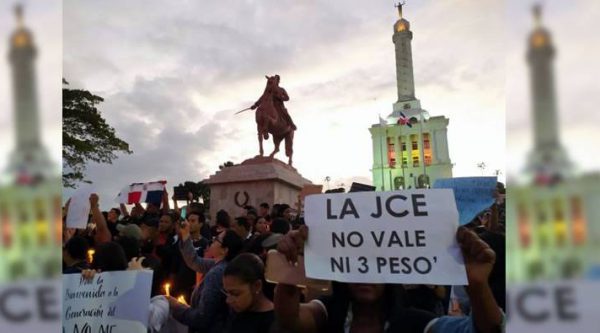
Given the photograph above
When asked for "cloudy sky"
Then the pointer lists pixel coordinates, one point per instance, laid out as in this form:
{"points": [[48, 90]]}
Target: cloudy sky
{"points": [[172, 76]]}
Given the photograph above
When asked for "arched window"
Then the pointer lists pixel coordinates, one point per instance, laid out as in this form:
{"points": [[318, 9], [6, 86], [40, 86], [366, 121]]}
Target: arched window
{"points": [[399, 183], [423, 181]]}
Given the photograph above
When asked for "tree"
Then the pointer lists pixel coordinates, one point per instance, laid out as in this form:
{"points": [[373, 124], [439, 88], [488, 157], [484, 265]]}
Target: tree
{"points": [[86, 135], [204, 193], [226, 165]]}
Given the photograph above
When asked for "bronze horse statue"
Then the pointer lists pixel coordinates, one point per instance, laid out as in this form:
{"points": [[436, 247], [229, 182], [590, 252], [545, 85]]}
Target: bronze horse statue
{"points": [[271, 119]]}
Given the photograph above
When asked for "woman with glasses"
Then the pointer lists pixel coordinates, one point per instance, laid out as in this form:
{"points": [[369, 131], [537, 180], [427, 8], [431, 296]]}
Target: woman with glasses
{"points": [[207, 311], [243, 283]]}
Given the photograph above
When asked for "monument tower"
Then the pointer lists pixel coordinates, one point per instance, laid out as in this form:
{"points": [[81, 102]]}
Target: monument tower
{"points": [[30, 197], [548, 160], [405, 82], [554, 232], [410, 149], [29, 156]]}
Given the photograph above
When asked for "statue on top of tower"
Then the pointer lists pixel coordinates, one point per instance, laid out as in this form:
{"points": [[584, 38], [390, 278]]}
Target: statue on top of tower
{"points": [[537, 14], [399, 6], [19, 15]]}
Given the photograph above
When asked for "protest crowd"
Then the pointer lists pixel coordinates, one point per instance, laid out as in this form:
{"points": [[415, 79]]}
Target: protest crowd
{"points": [[209, 275]]}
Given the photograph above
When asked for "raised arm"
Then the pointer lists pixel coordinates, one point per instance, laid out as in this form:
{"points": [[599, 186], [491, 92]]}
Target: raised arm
{"points": [[124, 210], [103, 235], [290, 314], [165, 202], [189, 254], [479, 260], [175, 205]]}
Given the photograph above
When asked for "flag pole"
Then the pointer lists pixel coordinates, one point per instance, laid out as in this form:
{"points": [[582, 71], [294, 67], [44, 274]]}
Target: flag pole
{"points": [[381, 153], [421, 120], [401, 157]]}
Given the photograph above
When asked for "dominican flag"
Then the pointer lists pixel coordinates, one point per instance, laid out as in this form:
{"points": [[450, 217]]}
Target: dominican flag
{"points": [[142, 192], [403, 120]]}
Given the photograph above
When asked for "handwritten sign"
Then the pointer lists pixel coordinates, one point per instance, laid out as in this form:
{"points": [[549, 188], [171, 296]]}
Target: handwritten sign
{"points": [[472, 194], [113, 302], [553, 307], [384, 237], [79, 208]]}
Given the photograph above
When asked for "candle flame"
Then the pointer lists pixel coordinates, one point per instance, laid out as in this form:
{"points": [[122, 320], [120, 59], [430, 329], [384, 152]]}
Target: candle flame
{"points": [[167, 288], [181, 299], [90, 254]]}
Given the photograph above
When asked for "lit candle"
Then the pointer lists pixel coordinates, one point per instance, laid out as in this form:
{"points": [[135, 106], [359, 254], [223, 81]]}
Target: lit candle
{"points": [[181, 299], [167, 288], [90, 254]]}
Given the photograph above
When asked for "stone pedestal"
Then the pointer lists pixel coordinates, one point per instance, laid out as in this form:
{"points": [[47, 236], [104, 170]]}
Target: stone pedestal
{"points": [[254, 181]]}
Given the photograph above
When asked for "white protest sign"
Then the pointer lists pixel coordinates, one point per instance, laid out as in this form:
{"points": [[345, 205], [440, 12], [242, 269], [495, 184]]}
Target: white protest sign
{"points": [[384, 237], [113, 302], [30, 306], [569, 306], [79, 208]]}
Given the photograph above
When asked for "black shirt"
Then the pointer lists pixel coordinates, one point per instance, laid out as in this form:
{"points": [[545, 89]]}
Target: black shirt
{"points": [[250, 322], [399, 318]]}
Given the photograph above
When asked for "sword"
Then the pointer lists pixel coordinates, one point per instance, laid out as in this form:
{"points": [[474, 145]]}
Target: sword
{"points": [[246, 109]]}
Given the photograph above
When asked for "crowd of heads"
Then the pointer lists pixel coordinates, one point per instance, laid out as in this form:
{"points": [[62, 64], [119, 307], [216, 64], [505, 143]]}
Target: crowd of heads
{"points": [[154, 233]]}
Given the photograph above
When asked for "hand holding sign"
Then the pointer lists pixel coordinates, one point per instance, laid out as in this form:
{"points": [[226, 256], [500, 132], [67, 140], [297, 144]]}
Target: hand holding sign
{"points": [[292, 244], [479, 257], [94, 200], [135, 264]]}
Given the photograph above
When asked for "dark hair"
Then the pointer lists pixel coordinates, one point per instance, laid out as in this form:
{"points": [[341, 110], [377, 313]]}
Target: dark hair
{"points": [[252, 212], [110, 257], [249, 208], [275, 210], [282, 209], [201, 217], [280, 226], [256, 244], [264, 205], [131, 246], [233, 242], [174, 216], [247, 267], [117, 211], [196, 207], [77, 247], [222, 219], [243, 222]]}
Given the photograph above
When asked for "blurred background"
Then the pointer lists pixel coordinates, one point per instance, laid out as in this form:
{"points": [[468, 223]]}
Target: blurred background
{"points": [[553, 164], [30, 152], [553, 201]]}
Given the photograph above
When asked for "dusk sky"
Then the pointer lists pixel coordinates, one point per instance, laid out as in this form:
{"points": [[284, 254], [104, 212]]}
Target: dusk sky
{"points": [[173, 75]]}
